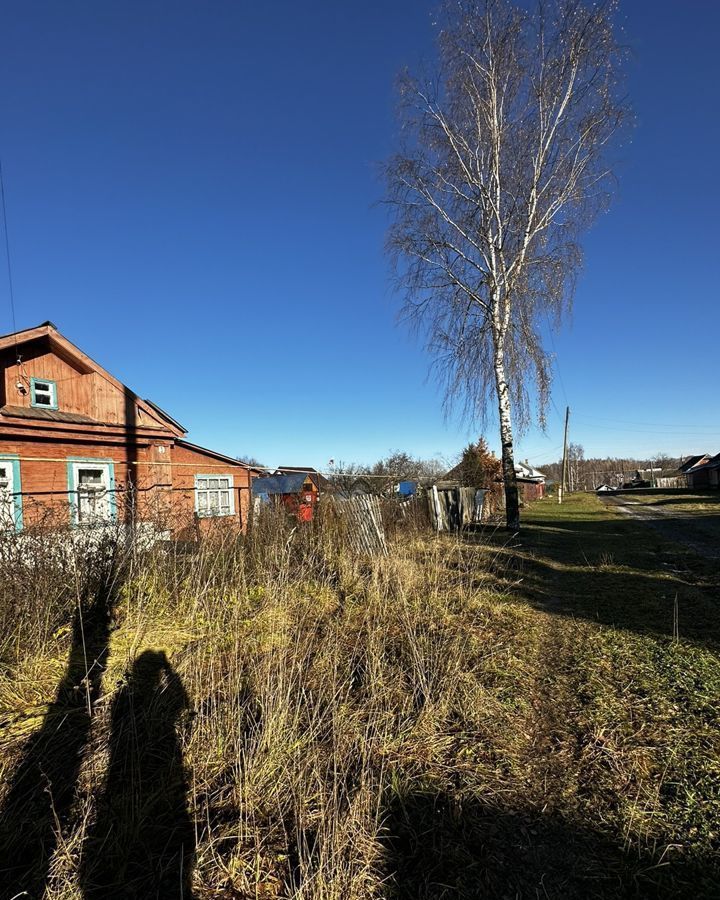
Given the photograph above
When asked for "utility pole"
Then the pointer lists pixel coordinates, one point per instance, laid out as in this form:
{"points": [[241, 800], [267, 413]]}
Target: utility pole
{"points": [[564, 462]]}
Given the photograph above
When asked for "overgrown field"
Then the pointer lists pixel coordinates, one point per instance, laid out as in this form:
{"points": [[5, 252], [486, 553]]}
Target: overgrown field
{"points": [[276, 717]]}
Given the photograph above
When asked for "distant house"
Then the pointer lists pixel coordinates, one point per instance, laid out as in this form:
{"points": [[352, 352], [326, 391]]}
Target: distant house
{"points": [[296, 491], [705, 473], [78, 447], [692, 461], [530, 482], [317, 478], [694, 471]]}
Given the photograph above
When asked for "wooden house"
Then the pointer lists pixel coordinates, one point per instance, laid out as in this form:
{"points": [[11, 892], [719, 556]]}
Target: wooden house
{"points": [[704, 473], [693, 470], [78, 447]]}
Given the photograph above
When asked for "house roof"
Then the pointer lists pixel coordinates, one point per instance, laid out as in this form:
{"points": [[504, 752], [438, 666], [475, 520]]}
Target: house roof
{"points": [[693, 461], [525, 472], [712, 463], [18, 334], [280, 484], [161, 412], [64, 347], [318, 479], [221, 456], [454, 474]]}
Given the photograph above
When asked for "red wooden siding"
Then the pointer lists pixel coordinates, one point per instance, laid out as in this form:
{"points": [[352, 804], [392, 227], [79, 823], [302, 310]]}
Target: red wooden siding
{"points": [[99, 418]]}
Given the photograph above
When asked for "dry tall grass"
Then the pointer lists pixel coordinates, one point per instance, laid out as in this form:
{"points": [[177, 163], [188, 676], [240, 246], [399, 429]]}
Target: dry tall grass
{"points": [[326, 726]]}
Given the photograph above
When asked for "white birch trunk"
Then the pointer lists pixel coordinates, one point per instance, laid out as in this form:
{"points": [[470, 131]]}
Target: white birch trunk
{"points": [[512, 503]]}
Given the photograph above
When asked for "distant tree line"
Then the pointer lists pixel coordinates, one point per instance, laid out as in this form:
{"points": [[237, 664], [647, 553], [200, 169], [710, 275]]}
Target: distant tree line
{"points": [[586, 474], [381, 476], [250, 461], [476, 466]]}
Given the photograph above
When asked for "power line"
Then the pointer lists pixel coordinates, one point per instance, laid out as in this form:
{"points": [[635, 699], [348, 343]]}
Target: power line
{"points": [[621, 422], [678, 432]]}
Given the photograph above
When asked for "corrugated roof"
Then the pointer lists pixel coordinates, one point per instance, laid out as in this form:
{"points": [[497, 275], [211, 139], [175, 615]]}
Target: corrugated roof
{"points": [[280, 484]]}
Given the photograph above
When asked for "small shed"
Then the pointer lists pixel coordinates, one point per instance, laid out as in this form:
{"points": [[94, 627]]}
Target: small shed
{"points": [[296, 491]]}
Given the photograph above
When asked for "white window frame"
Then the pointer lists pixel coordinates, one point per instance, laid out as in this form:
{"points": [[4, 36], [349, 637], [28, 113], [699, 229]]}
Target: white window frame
{"points": [[107, 469], [50, 392], [203, 506]]}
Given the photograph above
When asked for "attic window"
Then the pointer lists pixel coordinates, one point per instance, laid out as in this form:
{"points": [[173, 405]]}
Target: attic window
{"points": [[43, 393]]}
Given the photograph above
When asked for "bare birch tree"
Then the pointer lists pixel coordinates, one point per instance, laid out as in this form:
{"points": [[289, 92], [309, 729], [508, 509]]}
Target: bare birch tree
{"points": [[503, 164]]}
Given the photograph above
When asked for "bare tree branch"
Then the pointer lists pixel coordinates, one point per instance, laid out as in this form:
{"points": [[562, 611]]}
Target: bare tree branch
{"points": [[504, 164]]}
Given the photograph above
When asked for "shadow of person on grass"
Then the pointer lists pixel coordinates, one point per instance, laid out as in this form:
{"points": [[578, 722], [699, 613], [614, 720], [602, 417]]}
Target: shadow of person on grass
{"points": [[440, 848], [38, 800], [143, 842]]}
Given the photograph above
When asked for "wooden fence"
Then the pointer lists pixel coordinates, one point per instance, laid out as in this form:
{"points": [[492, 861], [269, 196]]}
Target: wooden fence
{"points": [[452, 508], [679, 481], [363, 519]]}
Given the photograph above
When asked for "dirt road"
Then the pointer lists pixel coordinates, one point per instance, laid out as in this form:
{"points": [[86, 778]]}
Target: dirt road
{"points": [[681, 526]]}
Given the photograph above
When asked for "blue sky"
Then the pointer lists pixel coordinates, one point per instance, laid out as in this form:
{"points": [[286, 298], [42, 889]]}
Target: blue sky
{"points": [[192, 197]]}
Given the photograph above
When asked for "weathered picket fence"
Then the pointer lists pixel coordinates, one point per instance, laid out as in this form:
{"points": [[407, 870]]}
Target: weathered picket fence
{"points": [[363, 519], [453, 508]]}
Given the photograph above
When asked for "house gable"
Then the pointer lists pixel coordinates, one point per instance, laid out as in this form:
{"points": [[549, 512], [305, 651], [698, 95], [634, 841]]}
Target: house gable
{"points": [[73, 386]]}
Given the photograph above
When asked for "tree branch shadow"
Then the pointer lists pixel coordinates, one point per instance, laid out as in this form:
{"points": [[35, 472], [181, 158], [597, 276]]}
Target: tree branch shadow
{"points": [[439, 847]]}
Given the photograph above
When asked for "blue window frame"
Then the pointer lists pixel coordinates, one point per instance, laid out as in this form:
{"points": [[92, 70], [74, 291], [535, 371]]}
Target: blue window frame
{"points": [[11, 511], [91, 491], [43, 393]]}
